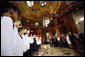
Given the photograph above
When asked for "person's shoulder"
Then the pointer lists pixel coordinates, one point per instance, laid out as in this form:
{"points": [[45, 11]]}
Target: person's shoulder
{"points": [[6, 18]]}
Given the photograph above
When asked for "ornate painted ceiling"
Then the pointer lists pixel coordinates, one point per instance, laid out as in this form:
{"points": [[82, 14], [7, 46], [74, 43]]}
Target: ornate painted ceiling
{"points": [[37, 12]]}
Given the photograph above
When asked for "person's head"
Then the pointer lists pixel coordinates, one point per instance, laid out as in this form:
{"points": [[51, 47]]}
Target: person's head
{"points": [[9, 9], [34, 39], [50, 37], [28, 32], [25, 30], [17, 24], [53, 36], [31, 35], [69, 33], [20, 30]]}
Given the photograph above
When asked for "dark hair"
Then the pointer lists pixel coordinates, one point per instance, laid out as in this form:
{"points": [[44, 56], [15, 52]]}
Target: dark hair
{"points": [[19, 29], [34, 40], [24, 33], [6, 6]]}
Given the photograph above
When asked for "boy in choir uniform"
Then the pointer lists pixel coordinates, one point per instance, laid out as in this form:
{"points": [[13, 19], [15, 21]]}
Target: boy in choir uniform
{"points": [[9, 37], [21, 33], [27, 41], [19, 41]]}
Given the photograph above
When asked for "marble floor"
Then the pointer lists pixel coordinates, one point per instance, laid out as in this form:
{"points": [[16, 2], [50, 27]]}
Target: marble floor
{"points": [[46, 50]]}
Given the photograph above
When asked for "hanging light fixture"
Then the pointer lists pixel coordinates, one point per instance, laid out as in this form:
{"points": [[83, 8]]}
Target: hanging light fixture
{"points": [[43, 4], [30, 3], [36, 23]]}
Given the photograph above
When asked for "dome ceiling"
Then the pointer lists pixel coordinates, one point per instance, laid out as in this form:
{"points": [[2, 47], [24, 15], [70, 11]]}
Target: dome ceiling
{"points": [[37, 12]]}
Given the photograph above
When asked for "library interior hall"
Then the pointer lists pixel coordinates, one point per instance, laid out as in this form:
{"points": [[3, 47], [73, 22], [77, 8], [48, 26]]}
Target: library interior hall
{"points": [[42, 28]]}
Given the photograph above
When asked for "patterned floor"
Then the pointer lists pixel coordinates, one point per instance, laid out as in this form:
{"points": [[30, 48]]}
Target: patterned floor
{"points": [[46, 50]]}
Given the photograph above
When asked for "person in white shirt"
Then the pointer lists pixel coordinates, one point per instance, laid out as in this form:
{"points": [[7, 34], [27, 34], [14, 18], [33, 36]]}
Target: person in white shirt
{"points": [[27, 41], [58, 38], [38, 40], [59, 43], [8, 38], [68, 41], [31, 39], [21, 33], [18, 39]]}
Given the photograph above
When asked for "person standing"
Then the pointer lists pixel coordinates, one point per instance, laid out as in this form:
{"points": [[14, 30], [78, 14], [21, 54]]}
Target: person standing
{"points": [[72, 39], [19, 48], [59, 43], [8, 39], [53, 41], [68, 41], [24, 40]]}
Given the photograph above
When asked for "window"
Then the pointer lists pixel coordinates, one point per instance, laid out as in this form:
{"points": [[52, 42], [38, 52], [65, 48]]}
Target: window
{"points": [[46, 22]]}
